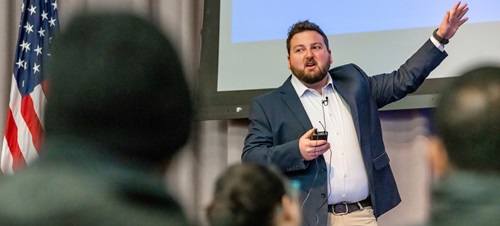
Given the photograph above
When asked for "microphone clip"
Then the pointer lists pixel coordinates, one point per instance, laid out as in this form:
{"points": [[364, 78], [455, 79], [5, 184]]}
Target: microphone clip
{"points": [[325, 101]]}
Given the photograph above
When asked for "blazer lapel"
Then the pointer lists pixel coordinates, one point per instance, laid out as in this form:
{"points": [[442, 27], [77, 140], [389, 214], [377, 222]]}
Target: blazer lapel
{"points": [[292, 101]]}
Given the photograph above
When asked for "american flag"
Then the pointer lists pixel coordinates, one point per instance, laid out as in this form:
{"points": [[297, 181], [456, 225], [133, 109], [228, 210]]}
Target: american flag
{"points": [[24, 125]]}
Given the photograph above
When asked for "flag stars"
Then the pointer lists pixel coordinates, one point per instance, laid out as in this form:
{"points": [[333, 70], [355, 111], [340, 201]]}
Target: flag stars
{"points": [[52, 22], [38, 23], [32, 9], [44, 15], [28, 27], [36, 68], [20, 63], [41, 32], [38, 50], [25, 46]]}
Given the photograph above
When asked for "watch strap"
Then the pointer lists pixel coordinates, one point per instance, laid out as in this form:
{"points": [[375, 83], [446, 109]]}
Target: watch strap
{"points": [[440, 39]]}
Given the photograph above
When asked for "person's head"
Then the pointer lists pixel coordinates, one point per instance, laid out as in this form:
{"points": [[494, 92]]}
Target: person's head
{"points": [[468, 120], [116, 81], [309, 55], [252, 194]]}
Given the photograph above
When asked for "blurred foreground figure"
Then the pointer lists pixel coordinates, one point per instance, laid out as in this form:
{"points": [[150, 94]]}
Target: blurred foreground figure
{"points": [[118, 110], [249, 194], [468, 123]]}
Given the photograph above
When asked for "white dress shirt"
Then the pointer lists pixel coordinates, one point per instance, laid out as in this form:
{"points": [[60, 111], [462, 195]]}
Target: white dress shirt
{"points": [[348, 181]]}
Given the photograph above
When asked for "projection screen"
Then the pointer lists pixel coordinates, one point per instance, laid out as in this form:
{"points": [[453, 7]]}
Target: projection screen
{"points": [[244, 50]]}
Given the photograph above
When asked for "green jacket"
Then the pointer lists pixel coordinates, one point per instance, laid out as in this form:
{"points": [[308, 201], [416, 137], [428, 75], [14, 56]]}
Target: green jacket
{"points": [[74, 183], [467, 198]]}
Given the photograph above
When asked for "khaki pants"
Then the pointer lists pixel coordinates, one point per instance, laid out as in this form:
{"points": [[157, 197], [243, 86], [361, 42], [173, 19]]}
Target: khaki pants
{"points": [[364, 217]]}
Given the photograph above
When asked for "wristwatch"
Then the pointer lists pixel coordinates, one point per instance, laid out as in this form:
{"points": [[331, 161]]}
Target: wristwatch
{"points": [[440, 39]]}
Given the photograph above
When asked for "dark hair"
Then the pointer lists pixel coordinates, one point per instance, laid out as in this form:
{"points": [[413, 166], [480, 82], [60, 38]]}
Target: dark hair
{"points": [[247, 194], [302, 26], [116, 81], [468, 119]]}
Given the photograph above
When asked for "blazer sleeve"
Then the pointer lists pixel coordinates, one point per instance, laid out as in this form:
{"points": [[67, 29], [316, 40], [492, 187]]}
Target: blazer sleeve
{"points": [[271, 140], [389, 87]]}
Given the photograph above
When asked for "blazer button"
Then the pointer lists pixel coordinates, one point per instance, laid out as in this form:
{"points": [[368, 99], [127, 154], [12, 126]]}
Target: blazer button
{"points": [[323, 195]]}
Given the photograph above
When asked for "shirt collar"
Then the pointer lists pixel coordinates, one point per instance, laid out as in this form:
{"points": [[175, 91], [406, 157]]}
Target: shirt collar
{"points": [[301, 89]]}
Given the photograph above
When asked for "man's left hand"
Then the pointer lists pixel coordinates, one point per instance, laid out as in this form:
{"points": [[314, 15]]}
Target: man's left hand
{"points": [[453, 19]]}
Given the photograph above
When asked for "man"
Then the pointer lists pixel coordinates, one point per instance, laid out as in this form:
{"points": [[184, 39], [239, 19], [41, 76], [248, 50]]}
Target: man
{"points": [[346, 178], [468, 127], [118, 110]]}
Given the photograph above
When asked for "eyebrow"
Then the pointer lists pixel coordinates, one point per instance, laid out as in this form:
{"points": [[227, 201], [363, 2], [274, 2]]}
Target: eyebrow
{"points": [[302, 45]]}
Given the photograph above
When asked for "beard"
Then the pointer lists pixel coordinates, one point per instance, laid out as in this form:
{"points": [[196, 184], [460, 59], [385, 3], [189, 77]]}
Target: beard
{"points": [[312, 76]]}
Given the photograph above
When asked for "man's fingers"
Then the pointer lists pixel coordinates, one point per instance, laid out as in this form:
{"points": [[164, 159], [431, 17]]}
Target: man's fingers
{"points": [[446, 16], [455, 7], [462, 7], [462, 13], [459, 19], [463, 21], [456, 16], [309, 133]]}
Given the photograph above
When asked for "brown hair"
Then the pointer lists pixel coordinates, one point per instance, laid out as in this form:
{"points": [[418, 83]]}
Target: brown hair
{"points": [[302, 26]]}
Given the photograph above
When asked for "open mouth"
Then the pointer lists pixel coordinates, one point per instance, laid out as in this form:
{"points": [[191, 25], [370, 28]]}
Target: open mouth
{"points": [[311, 64]]}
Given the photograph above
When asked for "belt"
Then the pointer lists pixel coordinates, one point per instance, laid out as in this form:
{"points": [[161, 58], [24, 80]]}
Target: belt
{"points": [[345, 208]]}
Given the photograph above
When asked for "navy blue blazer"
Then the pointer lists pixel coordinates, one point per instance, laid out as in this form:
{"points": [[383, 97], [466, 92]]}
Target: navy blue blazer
{"points": [[278, 120]]}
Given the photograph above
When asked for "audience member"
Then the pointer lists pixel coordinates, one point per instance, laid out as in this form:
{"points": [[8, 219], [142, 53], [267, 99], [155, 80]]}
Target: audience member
{"points": [[118, 110], [250, 194], [468, 126]]}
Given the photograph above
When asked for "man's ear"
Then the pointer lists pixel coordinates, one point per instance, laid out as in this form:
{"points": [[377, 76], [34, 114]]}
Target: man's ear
{"points": [[291, 211]]}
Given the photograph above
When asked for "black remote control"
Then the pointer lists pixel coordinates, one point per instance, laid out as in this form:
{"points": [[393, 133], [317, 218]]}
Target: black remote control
{"points": [[319, 135]]}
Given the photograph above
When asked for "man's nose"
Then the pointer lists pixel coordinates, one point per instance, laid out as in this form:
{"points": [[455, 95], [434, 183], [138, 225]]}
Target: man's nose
{"points": [[309, 54]]}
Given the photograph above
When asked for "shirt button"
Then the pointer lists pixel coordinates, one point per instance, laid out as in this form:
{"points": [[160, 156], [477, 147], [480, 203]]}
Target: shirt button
{"points": [[323, 195]]}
